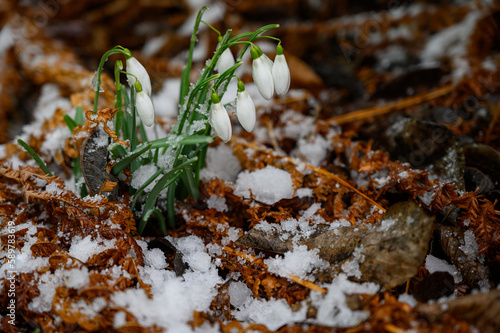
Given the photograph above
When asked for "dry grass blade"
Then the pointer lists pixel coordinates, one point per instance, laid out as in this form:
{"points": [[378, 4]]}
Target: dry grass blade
{"points": [[398, 105], [315, 169]]}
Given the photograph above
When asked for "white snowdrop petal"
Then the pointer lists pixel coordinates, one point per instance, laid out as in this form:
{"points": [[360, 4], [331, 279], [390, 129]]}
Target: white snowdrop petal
{"points": [[220, 122], [268, 62], [245, 110], [281, 75], [136, 68], [262, 77], [145, 108], [226, 61]]}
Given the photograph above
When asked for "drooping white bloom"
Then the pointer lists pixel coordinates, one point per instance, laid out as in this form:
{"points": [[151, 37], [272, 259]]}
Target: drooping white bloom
{"points": [[226, 61], [134, 67], [281, 73], [145, 108], [220, 119], [261, 73], [268, 61], [245, 108]]}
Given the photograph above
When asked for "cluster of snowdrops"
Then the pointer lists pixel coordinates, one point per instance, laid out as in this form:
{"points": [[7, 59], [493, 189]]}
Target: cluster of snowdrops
{"points": [[178, 158], [268, 76]]}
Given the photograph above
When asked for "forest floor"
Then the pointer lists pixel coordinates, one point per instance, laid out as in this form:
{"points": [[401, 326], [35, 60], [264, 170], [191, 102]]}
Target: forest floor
{"points": [[365, 200]]}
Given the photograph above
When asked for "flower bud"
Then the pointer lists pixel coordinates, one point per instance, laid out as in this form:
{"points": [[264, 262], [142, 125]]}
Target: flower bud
{"points": [[226, 61], [281, 73], [245, 108], [261, 73], [145, 108], [220, 119], [135, 68]]}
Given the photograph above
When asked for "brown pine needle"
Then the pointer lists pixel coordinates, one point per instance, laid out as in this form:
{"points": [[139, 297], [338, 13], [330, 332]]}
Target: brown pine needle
{"points": [[344, 183], [387, 108], [318, 170], [296, 279]]}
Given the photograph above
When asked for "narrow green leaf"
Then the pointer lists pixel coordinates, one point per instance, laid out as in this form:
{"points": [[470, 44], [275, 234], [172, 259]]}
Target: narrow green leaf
{"points": [[79, 117], [189, 182], [123, 164], [136, 195], [171, 205], [70, 122], [35, 156], [190, 140], [165, 181], [147, 215], [117, 150]]}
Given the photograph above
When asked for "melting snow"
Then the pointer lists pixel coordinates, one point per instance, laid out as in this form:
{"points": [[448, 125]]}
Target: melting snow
{"points": [[269, 185]]}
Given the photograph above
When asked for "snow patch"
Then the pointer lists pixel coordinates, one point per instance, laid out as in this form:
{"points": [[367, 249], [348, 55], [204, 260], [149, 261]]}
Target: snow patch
{"points": [[269, 185]]}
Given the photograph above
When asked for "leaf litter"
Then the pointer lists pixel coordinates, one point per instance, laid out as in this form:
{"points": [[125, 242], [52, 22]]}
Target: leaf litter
{"points": [[334, 215]]}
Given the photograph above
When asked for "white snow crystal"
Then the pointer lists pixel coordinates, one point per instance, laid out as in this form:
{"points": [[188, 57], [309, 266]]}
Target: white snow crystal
{"points": [[268, 185], [408, 299], [83, 249], [434, 264], [299, 262], [218, 203], [239, 294], [142, 174], [220, 163], [470, 248]]}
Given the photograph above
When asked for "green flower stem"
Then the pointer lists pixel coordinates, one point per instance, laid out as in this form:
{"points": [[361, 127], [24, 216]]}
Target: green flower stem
{"points": [[118, 97], [186, 71], [105, 56]]}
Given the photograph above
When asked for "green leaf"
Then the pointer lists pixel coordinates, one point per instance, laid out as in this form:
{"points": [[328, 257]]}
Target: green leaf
{"points": [[171, 205], [164, 181], [187, 141], [79, 117], [117, 150], [136, 195], [35, 156], [189, 182], [70, 122], [123, 164], [147, 215]]}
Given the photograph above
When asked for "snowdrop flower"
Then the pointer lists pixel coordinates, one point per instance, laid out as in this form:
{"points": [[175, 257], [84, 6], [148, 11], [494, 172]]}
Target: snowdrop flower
{"points": [[261, 73], [220, 119], [281, 73], [144, 106], [138, 71], [245, 109], [226, 61]]}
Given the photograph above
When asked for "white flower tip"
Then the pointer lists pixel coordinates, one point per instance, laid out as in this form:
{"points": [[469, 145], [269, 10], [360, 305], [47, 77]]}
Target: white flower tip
{"points": [[136, 68], [281, 75], [226, 61], [221, 122], [263, 77], [245, 111], [145, 108]]}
